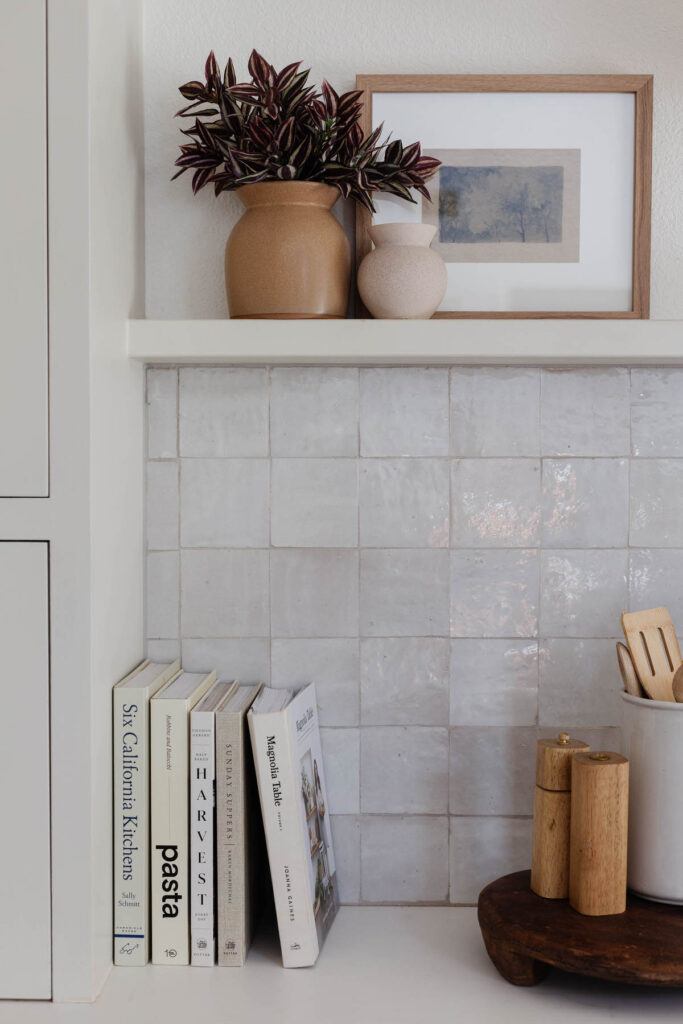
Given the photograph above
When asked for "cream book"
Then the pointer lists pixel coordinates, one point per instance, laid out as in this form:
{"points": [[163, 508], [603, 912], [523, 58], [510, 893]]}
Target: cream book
{"points": [[202, 819], [239, 833], [170, 762], [296, 817], [131, 699]]}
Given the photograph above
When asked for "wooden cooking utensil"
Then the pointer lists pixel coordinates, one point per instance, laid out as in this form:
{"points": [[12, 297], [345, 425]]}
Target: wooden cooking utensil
{"points": [[678, 685], [653, 645], [628, 672]]}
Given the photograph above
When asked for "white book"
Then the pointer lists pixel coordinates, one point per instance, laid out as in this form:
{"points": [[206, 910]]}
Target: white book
{"points": [[202, 824], [291, 781], [131, 698], [240, 858], [170, 763]]}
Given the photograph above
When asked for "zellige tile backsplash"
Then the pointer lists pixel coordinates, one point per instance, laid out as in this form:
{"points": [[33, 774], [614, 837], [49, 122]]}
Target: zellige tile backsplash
{"points": [[446, 553]]}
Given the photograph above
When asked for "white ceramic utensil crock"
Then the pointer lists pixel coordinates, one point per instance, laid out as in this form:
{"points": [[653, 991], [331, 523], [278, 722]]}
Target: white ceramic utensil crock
{"points": [[652, 740]]}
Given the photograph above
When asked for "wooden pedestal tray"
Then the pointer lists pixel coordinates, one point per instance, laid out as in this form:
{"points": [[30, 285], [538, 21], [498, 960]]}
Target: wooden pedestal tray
{"points": [[526, 936]]}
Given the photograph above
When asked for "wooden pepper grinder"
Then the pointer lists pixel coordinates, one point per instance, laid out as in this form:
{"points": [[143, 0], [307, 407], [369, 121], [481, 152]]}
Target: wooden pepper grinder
{"points": [[550, 851], [599, 826]]}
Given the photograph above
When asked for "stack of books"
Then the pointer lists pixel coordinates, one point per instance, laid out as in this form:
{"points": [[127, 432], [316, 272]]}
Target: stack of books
{"points": [[203, 770]]}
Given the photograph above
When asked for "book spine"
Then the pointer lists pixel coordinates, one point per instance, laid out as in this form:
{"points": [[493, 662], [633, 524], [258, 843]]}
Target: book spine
{"points": [[230, 840], [278, 793], [202, 812], [170, 889], [131, 827]]}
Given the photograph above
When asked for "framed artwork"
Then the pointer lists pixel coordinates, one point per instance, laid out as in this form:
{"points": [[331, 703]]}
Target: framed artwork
{"points": [[542, 201]]}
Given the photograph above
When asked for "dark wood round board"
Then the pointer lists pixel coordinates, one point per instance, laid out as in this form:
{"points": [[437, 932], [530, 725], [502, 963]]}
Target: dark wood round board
{"points": [[526, 935]]}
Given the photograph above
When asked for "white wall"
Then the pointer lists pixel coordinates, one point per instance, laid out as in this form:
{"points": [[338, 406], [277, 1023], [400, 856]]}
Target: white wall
{"points": [[93, 518], [186, 235], [116, 406]]}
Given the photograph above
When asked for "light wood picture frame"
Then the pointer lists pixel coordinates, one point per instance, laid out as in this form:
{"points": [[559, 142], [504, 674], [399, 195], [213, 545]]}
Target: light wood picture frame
{"points": [[640, 86]]}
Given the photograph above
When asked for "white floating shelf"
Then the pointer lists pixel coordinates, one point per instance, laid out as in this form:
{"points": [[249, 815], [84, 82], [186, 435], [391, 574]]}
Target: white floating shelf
{"points": [[373, 342]]}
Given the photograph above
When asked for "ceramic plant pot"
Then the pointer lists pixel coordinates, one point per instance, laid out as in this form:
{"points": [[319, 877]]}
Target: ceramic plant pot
{"points": [[652, 740], [287, 257], [402, 278]]}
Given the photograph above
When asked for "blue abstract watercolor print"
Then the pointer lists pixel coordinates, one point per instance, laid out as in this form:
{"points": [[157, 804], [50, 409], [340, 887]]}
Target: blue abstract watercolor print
{"points": [[500, 204]]}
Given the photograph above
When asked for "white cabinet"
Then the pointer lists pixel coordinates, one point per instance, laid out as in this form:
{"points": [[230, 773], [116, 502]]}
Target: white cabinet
{"points": [[25, 772], [85, 514], [23, 252]]}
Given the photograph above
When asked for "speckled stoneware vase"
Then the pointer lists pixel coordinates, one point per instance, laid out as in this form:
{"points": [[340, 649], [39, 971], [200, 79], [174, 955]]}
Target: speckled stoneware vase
{"points": [[288, 256], [402, 278]]}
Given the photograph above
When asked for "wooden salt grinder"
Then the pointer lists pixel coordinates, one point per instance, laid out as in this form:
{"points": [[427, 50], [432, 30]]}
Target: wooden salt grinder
{"points": [[550, 850], [599, 823]]}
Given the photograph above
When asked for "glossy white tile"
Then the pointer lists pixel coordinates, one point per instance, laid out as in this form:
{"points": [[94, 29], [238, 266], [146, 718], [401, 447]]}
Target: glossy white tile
{"points": [[404, 503], [495, 411], [404, 411], [493, 682], [657, 503], [162, 595], [404, 770], [444, 553], [494, 593], [482, 849], [224, 593], [346, 839], [492, 769], [404, 859], [495, 503], [579, 682], [655, 579], [314, 503], [162, 650], [404, 592], [162, 413], [331, 664], [657, 412], [583, 593], [404, 681], [223, 412], [246, 660], [162, 506], [314, 592], [314, 410], [341, 751], [585, 412], [585, 503], [224, 503]]}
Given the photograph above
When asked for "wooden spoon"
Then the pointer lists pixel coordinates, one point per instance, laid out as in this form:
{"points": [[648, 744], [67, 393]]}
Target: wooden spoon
{"points": [[629, 675], [652, 641], [678, 685]]}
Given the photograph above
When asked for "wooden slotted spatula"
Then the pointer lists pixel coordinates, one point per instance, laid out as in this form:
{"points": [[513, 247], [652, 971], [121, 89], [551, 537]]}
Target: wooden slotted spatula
{"points": [[653, 644], [628, 672]]}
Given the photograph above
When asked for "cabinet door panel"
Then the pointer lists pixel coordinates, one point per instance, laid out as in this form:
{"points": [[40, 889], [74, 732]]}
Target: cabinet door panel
{"points": [[23, 252], [25, 928]]}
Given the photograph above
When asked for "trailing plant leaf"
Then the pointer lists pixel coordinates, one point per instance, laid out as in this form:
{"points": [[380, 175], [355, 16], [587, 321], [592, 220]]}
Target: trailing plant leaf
{"points": [[276, 127]]}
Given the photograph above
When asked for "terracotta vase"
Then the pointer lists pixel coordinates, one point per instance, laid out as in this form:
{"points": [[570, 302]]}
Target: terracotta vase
{"points": [[402, 278], [288, 256]]}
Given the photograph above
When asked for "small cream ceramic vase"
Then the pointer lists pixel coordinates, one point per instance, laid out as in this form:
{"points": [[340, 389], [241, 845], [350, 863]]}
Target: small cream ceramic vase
{"points": [[402, 278]]}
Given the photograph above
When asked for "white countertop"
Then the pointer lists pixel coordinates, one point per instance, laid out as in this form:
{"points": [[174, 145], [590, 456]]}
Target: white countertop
{"points": [[380, 965]]}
